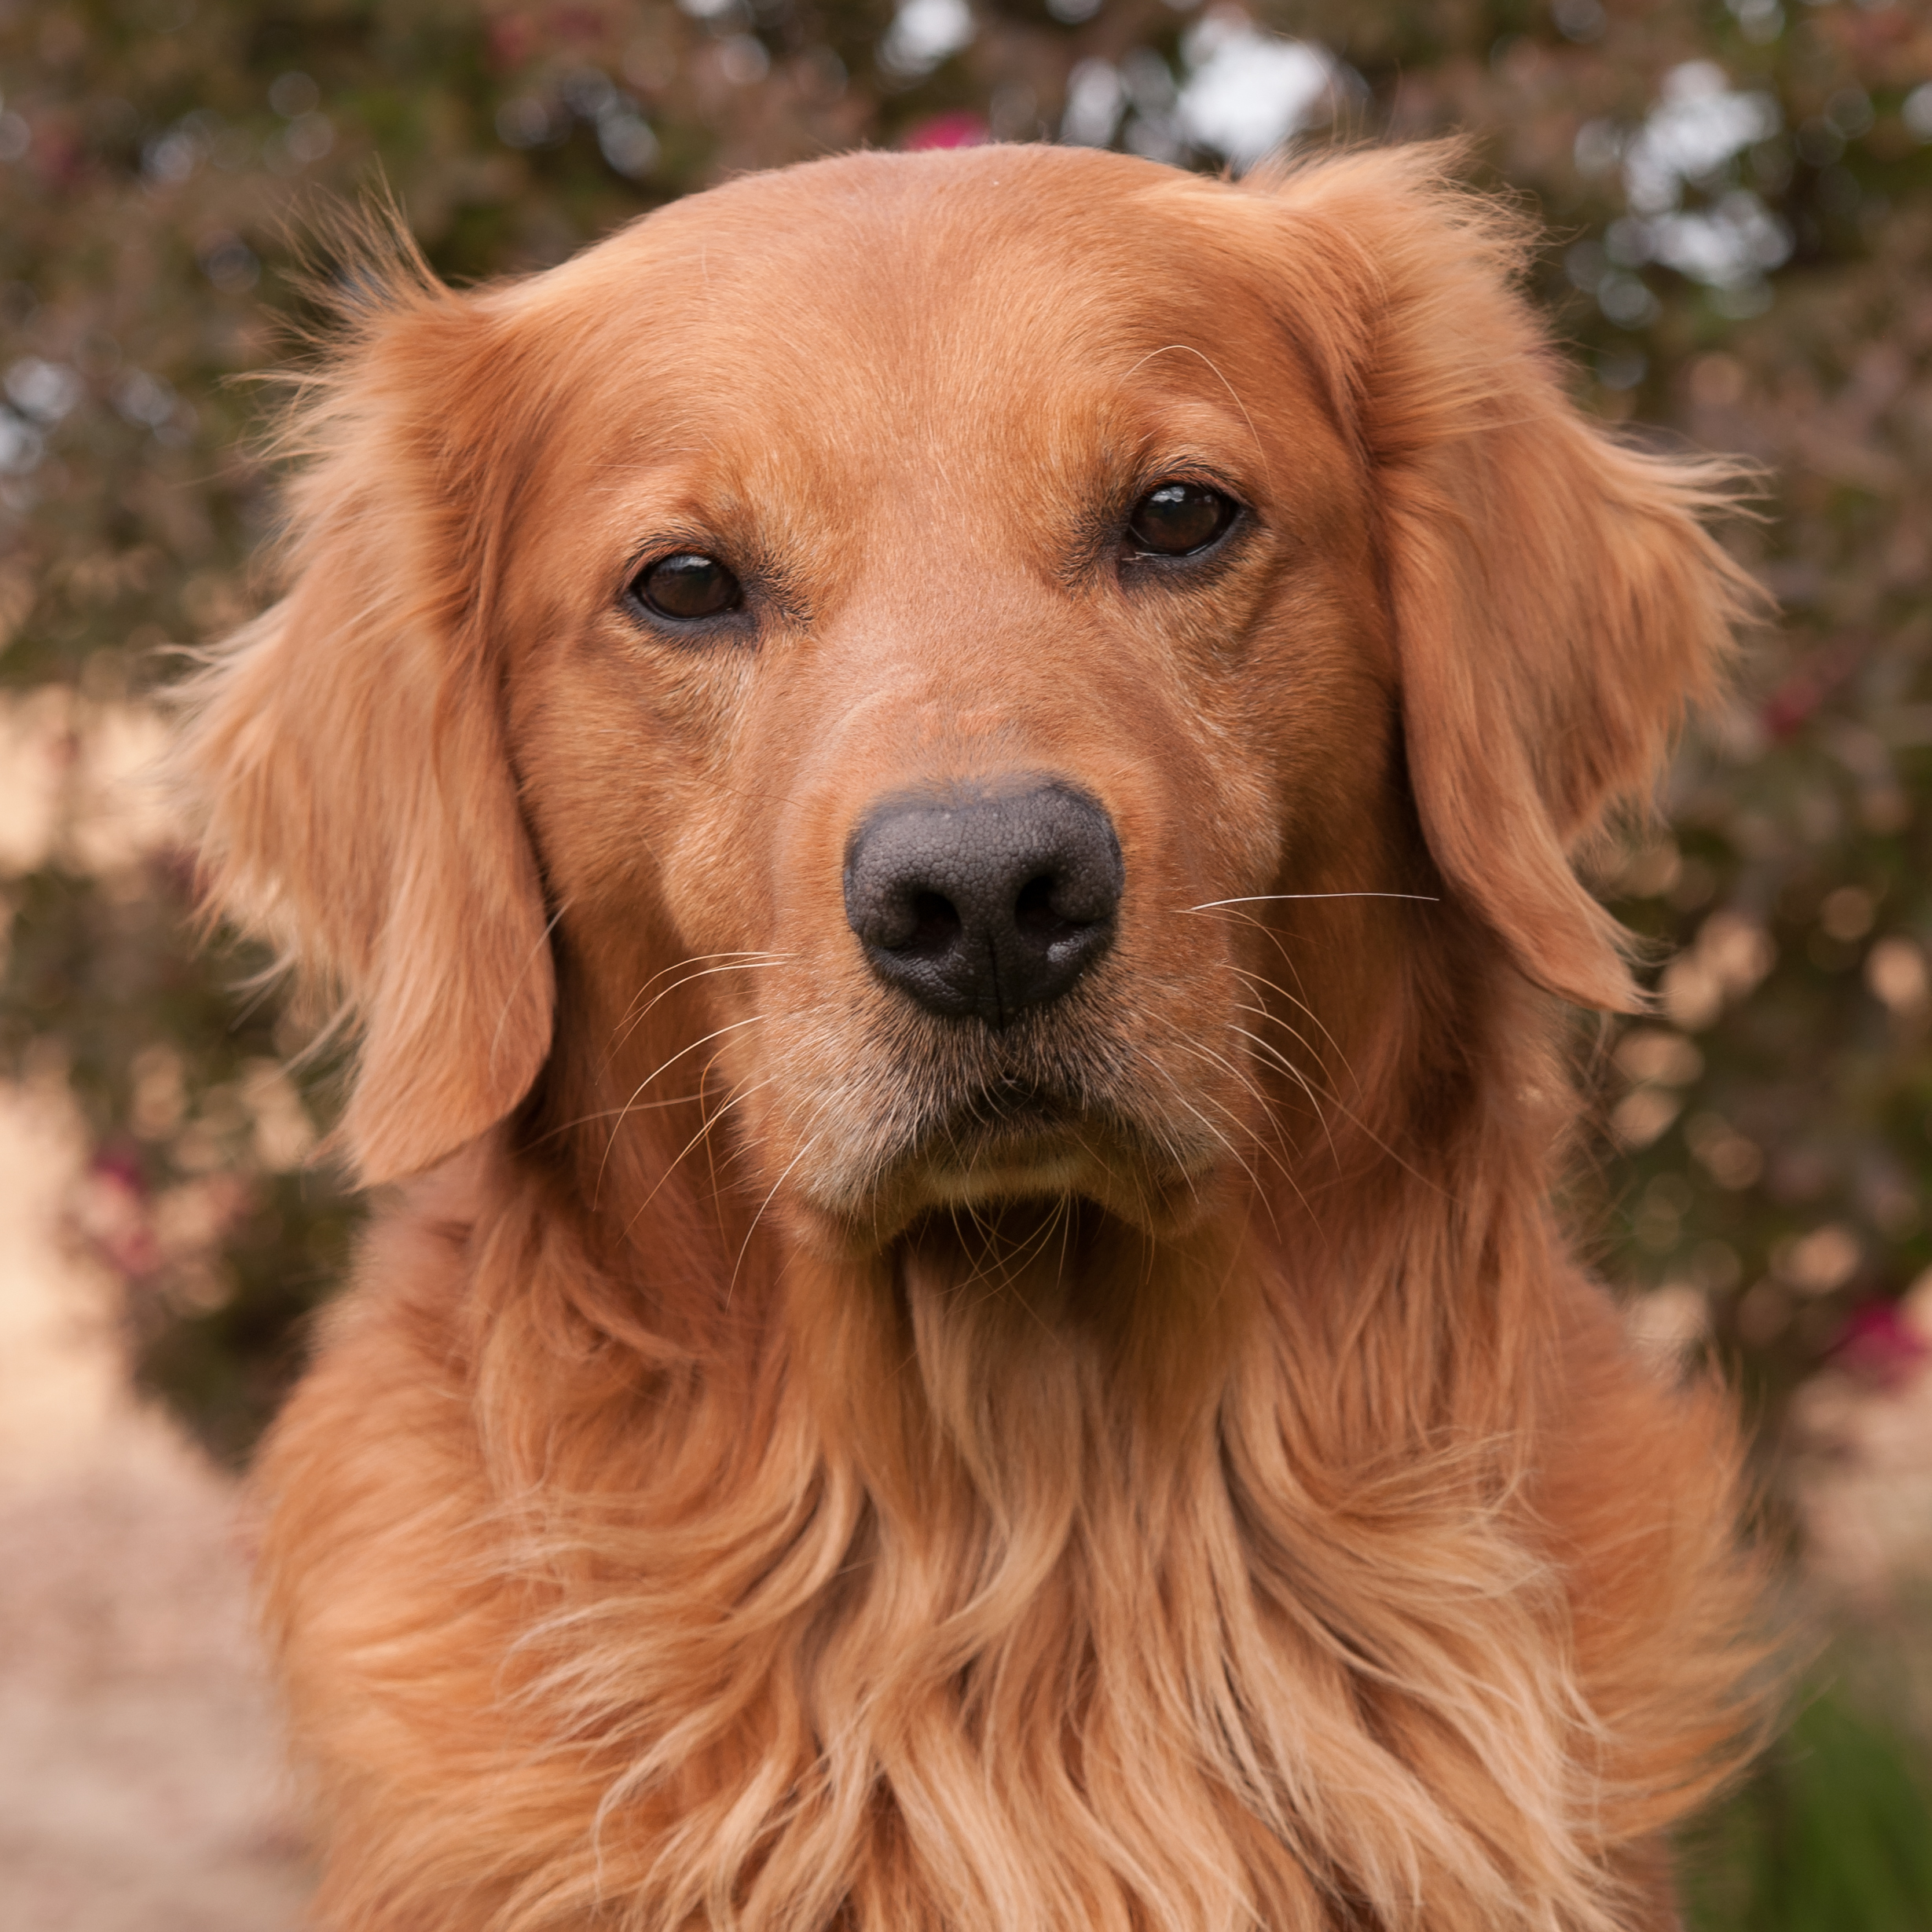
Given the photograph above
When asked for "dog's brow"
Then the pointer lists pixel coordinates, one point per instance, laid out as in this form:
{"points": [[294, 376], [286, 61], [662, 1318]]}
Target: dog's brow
{"points": [[1185, 348]]}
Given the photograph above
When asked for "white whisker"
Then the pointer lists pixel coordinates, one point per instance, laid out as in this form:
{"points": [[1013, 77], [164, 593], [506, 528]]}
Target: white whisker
{"points": [[664, 1067], [1256, 979], [749, 962], [1277, 1059], [1266, 899], [760, 1216], [710, 1121]]}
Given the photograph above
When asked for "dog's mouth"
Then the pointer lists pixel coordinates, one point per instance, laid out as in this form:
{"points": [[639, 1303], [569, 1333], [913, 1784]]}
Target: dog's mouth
{"points": [[1011, 1141], [1064, 1105], [1010, 1147]]}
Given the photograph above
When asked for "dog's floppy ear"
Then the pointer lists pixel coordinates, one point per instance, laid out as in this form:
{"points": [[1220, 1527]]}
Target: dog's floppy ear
{"points": [[1557, 602], [344, 755]]}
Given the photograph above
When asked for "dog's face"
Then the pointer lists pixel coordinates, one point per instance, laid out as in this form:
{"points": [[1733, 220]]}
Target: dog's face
{"points": [[932, 550], [988, 677]]}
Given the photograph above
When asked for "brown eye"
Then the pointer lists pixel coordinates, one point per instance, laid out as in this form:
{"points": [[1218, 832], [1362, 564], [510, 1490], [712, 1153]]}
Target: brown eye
{"points": [[1178, 518], [687, 585]]}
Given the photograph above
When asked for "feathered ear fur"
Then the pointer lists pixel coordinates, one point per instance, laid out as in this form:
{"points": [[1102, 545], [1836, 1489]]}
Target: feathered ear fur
{"points": [[345, 751], [1557, 604]]}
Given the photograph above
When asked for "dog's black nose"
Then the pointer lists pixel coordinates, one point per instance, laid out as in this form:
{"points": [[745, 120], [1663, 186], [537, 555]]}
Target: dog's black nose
{"points": [[983, 903]]}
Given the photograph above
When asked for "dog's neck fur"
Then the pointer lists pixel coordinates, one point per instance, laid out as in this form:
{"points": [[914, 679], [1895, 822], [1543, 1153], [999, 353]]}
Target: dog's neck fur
{"points": [[815, 1565]]}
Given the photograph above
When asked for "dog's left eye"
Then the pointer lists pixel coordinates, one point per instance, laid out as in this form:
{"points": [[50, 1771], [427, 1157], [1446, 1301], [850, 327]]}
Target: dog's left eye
{"points": [[687, 585], [1177, 519]]}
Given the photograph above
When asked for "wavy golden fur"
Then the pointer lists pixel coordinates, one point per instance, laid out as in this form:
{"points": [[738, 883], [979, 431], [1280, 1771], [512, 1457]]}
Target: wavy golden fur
{"points": [[790, 1461]]}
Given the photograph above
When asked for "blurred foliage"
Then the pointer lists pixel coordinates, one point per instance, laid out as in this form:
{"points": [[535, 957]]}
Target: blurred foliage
{"points": [[1830, 1836], [1739, 197]]}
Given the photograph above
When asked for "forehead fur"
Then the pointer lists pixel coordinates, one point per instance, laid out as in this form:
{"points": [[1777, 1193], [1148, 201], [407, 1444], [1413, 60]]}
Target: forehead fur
{"points": [[1009, 267]]}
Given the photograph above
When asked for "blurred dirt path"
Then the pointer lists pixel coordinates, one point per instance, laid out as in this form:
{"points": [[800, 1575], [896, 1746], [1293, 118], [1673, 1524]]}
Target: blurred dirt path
{"points": [[141, 1782]]}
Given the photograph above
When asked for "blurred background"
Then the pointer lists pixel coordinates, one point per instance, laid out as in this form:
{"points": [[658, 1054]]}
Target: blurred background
{"points": [[1738, 200]]}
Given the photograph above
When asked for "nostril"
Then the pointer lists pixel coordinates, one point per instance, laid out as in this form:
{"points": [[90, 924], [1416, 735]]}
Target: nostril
{"points": [[936, 926], [1035, 913]]}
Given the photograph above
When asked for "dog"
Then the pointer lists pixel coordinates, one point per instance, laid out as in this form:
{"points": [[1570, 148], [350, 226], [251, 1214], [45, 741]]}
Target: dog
{"points": [[943, 789]]}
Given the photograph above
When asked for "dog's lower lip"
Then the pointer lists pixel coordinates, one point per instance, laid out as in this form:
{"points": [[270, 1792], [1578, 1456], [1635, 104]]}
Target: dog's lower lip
{"points": [[1005, 1145]]}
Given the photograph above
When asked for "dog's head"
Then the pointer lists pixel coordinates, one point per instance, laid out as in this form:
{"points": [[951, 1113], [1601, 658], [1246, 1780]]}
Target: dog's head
{"points": [[1007, 675]]}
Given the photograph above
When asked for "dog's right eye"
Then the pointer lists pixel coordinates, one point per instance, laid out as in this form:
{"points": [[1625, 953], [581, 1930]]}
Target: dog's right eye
{"points": [[686, 586], [1178, 519]]}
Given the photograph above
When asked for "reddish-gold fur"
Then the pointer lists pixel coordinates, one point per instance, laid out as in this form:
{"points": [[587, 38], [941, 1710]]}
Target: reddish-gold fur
{"points": [[748, 1487]]}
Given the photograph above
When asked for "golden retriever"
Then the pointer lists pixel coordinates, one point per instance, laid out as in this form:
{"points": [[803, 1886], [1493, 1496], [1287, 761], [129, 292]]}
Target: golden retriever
{"points": [[943, 789]]}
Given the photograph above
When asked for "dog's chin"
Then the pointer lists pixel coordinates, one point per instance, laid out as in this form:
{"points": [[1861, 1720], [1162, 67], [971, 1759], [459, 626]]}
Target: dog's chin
{"points": [[1033, 1151], [985, 1170]]}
